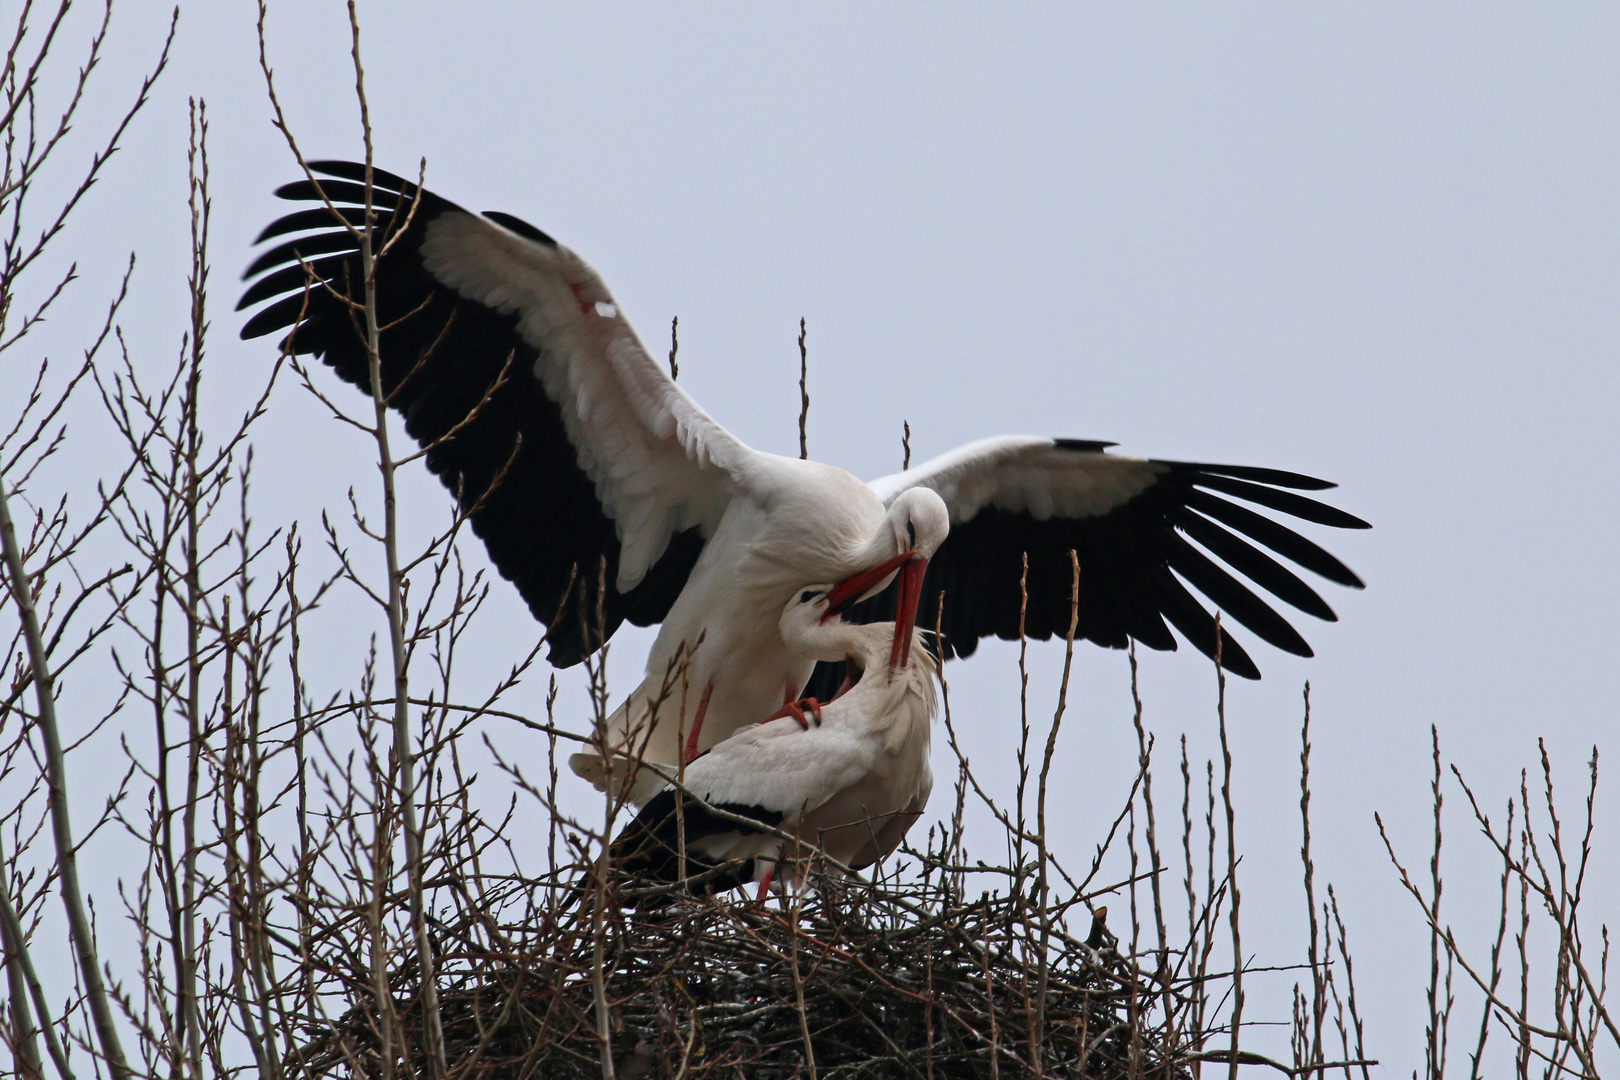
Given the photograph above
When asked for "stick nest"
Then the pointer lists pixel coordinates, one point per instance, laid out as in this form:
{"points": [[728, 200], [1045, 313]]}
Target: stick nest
{"points": [[881, 980]]}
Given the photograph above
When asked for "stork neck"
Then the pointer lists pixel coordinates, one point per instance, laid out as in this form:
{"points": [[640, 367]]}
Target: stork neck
{"points": [[830, 641], [880, 547], [890, 700], [869, 647]]}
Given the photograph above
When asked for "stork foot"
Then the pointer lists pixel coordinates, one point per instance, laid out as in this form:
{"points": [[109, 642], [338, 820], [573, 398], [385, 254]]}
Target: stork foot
{"points": [[797, 710]]}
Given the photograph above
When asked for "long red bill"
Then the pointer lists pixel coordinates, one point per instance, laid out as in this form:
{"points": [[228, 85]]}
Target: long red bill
{"points": [[905, 613], [858, 585]]}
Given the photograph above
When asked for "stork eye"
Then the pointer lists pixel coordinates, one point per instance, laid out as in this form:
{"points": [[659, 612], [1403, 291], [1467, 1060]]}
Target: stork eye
{"points": [[808, 595], [911, 532]]}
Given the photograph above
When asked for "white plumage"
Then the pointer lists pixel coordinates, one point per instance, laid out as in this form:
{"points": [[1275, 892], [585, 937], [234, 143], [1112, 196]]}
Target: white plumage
{"points": [[1024, 473], [605, 493], [850, 783], [719, 663], [658, 463]]}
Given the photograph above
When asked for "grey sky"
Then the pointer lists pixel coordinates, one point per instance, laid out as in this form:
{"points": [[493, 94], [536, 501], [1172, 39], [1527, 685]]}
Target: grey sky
{"points": [[1376, 244]]}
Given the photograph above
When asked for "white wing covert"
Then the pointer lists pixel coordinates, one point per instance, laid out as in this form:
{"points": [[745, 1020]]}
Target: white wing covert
{"points": [[658, 462], [575, 454], [1143, 530]]}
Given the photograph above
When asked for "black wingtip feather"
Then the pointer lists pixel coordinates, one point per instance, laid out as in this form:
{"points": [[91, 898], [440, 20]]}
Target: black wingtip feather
{"points": [[1251, 562], [1236, 600], [1130, 557], [1275, 477], [292, 277], [338, 191], [320, 217], [356, 171], [278, 316], [519, 226], [1239, 664], [442, 355], [1279, 538], [302, 249], [1285, 501]]}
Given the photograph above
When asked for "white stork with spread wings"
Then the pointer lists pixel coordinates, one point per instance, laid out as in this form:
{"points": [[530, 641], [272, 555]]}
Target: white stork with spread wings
{"points": [[604, 493]]}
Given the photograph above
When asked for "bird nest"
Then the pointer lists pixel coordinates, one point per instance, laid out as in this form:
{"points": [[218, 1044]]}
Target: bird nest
{"points": [[848, 979]]}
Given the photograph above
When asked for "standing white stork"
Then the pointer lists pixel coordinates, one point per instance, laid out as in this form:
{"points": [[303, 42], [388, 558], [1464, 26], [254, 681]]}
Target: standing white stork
{"points": [[851, 779], [605, 493]]}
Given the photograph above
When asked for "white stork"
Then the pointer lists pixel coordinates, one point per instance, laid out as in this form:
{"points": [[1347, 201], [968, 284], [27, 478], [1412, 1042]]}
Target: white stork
{"points": [[850, 778], [605, 493]]}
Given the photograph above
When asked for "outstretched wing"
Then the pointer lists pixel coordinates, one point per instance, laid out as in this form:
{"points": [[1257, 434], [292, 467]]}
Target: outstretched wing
{"points": [[1143, 531], [577, 457]]}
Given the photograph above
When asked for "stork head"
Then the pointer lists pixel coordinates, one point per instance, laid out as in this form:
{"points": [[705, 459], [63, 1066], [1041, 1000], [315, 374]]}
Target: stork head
{"points": [[916, 524], [811, 627]]}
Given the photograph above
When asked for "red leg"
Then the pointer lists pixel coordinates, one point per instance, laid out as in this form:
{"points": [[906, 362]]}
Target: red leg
{"points": [[697, 724], [765, 884]]}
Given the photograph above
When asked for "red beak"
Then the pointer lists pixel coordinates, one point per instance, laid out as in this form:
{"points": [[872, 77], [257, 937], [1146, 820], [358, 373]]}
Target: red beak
{"points": [[912, 567], [858, 585], [905, 614]]}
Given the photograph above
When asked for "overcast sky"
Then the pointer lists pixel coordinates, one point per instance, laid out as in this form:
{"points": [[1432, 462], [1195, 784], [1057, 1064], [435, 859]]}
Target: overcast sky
{"points": [[1378, 244]]}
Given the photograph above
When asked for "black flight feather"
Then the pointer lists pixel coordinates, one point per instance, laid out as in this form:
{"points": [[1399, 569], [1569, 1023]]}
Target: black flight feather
{"points": [[511, 464]]}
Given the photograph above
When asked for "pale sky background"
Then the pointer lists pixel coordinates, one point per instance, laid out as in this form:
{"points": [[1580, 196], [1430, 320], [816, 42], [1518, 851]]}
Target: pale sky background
{"points": [[1373, 243]]}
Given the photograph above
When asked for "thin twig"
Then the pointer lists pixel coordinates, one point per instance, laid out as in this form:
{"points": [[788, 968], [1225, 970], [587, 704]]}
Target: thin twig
{"points": [[804, 392], [1231, 853], [1044, 921], [67, 854], [674, 347]]}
